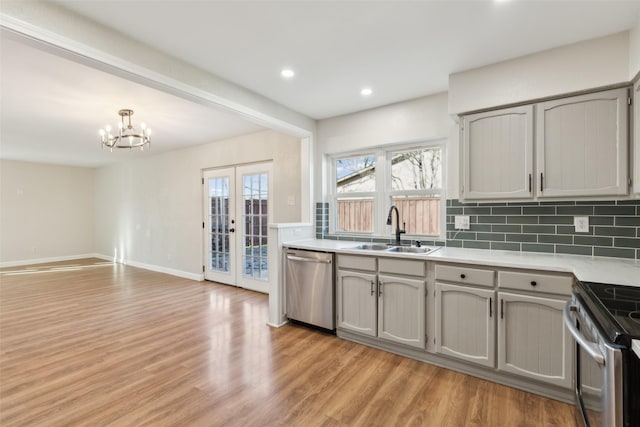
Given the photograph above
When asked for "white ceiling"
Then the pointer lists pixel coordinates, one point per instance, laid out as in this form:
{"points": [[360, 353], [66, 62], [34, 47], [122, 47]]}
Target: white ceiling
{"points": [[52, 109], [52, 106]]}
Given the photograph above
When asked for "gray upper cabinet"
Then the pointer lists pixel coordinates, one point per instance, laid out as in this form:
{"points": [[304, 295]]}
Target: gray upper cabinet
{"points": [[497, 154], [636, 137], [581, 145], [581, 148]]}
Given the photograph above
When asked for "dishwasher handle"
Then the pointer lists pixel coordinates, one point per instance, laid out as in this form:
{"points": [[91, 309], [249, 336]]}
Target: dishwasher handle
{"points": [[590, 347], [299, 258]]}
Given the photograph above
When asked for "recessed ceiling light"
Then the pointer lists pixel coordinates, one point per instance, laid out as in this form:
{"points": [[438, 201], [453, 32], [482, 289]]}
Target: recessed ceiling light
{"points": [[287, 73], [366, 91]]}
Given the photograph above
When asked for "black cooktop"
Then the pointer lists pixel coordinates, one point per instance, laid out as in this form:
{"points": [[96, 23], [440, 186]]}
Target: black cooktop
{"points": [[616, 307]]}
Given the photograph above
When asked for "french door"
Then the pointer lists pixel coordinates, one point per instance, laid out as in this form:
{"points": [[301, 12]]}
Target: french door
{"points": [[237, 211]]}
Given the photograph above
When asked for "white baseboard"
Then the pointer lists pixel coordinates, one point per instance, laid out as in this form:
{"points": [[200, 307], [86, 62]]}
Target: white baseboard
{"points": [[277, 325], [159, 269], [166, 270], [51, 259]]}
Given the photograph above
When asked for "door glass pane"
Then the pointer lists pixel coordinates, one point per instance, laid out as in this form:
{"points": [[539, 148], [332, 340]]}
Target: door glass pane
{"points": [[219, 220], [255, 196]]}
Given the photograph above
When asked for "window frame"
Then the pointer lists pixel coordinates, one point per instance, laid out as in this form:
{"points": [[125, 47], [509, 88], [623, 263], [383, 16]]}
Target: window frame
{"points": [[383, 193], [335, 195]]}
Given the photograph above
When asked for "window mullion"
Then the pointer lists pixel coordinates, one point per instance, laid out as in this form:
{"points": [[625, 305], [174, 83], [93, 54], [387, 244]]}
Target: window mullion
{"points": [[381, 179]]}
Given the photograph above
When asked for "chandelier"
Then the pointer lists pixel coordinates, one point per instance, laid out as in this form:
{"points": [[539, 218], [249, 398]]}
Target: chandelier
{"points": [[127, 136]]}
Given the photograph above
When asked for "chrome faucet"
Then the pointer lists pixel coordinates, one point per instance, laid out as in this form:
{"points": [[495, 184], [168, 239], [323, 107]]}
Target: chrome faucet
{"points": [[399, 230]]}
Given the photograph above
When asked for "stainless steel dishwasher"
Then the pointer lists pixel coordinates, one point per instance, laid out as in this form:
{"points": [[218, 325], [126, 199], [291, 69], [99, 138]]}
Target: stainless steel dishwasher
{"points": [[310, 288]]}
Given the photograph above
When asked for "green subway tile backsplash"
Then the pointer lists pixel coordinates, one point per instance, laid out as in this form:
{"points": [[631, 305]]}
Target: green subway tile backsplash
{"points": [[614, 227]]}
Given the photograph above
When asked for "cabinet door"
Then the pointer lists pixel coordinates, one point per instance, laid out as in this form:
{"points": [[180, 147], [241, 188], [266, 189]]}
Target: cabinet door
{"points": [[581, 145], [401, 310], [498, 154], [636, 136], [356, 302], [465, 325], [532, 339]]}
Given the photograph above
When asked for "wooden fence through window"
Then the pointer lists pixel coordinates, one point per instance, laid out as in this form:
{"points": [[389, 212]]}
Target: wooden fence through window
{"points": [[421, 215]]}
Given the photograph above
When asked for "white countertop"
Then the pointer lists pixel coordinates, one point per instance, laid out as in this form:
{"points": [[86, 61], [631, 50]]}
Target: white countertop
{"points": [[590, 269]]}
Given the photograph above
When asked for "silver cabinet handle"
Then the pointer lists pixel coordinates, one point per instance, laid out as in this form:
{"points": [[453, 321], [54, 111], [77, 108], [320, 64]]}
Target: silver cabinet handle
{"points": [[317, 261], [590, 347], [372, 287], [380, 288]]}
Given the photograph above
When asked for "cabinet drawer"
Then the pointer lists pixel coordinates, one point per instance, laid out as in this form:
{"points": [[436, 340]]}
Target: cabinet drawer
{"points": [[534, 281], [463, 274], [402, 266], [357, 262]]}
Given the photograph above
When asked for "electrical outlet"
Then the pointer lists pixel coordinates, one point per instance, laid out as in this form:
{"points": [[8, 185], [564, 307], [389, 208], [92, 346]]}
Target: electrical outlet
{"points": [[581, 223], [462, 222]]}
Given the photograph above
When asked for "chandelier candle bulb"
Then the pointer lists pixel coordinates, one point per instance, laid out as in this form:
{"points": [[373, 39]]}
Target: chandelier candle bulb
{"points": [[127, 137]]}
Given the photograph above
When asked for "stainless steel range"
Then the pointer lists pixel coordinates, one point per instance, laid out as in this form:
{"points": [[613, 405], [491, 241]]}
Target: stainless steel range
{"points": [[604, 319]]}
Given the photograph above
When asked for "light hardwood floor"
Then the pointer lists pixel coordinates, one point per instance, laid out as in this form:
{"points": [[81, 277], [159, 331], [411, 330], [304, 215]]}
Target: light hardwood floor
{"points": [[96, 343]]}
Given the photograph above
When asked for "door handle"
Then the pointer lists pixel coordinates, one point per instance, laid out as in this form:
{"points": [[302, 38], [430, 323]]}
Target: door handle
{"points": [[317, 261], [590, 347], [380, 288], [232, 230], [490, 308], [372, 287], [541, 182], [529, 183]]}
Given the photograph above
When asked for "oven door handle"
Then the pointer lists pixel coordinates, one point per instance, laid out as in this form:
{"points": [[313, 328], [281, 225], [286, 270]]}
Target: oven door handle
{"points": [[590, 347]]}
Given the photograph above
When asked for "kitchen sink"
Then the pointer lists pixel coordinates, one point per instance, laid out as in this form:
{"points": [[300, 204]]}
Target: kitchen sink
{"points": [[372, 247], [413, 249], [402, 249]]}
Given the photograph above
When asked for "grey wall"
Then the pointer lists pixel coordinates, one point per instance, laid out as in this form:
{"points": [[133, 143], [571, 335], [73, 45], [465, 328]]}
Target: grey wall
{"points": [[149, 211], [46, 211]]}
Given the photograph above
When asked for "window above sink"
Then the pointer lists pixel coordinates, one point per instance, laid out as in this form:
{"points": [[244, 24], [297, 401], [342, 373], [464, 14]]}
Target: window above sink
{"points": [[363, 185]]}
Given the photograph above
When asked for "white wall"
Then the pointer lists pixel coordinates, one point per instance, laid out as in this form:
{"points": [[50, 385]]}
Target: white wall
{"points": [[92, 44], [149, 211], [634, 50], [584, 65], [46, 212], [415, 120]]}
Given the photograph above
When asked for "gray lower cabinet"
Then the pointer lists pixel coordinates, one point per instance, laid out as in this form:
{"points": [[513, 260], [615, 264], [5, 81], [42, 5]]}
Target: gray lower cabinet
{"points": [[507, 320], [401, 310], [388, 306], [465, 323], [532, 339], [356, 299]]}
